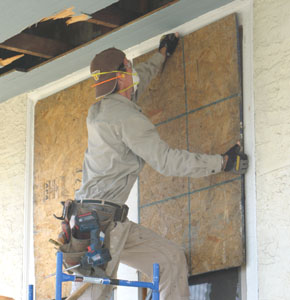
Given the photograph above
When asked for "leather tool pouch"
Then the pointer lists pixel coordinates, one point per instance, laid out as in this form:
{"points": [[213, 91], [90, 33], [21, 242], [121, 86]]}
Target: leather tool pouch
{"points": [[77, 245], [72, 253]]}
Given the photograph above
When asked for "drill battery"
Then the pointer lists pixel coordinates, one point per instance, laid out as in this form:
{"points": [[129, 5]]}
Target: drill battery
{"points": [[87, 222]]}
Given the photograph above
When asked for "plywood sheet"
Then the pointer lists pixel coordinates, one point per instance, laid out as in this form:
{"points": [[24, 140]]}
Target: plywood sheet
{"points": [[165, 97], [212, 63], [203, 112], [60, 142], [153, 185], [216, 228], [169, 219], [211, 130]]}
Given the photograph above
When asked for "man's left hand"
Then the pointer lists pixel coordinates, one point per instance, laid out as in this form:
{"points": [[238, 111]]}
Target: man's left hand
{"points": [[168, 43]]}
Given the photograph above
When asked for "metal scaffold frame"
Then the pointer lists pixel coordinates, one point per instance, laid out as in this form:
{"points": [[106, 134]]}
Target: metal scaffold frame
{"points": [[62, 277]]}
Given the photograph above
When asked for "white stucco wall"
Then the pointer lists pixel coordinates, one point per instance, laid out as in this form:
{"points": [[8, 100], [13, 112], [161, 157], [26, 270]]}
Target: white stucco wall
{"points": [[272, 119], [12, 185]]}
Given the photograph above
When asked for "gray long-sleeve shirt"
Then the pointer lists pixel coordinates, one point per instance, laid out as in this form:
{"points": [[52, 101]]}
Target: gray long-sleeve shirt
{"points": [[121, 139]]}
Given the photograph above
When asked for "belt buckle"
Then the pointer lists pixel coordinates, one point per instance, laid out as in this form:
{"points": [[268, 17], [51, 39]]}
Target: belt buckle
{"points": [[121, 213], [124, 213]]}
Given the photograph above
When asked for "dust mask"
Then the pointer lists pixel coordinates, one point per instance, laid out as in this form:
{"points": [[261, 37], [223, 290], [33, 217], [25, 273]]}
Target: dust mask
{"points": [[136, 79]]}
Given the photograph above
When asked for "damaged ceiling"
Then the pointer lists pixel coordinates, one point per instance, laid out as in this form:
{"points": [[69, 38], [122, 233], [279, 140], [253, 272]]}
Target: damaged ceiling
{"points": [[42, 41], [67, 30]]}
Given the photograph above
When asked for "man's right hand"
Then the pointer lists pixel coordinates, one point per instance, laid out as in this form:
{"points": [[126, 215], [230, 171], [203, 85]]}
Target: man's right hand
{"points": [[235, 161]]}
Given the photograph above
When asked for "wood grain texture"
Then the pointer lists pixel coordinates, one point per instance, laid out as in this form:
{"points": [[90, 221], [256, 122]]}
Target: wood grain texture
{"points": [[216, 223], [170, 219], [165, 96], [153, 185], [35, 45], [212, 130], [59, 145], [212, 63]]}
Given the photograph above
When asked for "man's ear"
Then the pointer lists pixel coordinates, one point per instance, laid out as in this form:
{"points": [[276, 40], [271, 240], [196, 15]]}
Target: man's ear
{"points": [[121, 78]]}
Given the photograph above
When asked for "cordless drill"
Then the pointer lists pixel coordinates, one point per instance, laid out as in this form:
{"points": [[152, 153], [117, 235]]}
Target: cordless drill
{"points": [[97, 255]]}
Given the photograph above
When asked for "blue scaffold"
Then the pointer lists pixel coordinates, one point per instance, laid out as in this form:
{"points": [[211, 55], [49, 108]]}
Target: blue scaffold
{"points": [[62, 277]]}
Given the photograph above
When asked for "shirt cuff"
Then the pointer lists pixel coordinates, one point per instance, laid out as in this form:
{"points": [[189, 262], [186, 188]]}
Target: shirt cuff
{"points": [[215, 164], [161, 57]]}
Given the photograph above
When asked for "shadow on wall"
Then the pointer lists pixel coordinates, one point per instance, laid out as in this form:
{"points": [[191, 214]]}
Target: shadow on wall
{"points": [[219, 285]]}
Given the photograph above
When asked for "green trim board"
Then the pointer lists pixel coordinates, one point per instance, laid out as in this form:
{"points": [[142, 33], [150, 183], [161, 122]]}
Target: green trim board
{"points": [[196, 104]]}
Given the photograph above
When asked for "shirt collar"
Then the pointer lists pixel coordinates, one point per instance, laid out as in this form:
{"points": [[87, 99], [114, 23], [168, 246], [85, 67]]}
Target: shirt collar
{"points": [[121, 98]]}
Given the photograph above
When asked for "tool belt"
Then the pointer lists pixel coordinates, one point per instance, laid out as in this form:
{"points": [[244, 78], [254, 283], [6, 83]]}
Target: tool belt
{"points": [[107, 211], [75, 243]]}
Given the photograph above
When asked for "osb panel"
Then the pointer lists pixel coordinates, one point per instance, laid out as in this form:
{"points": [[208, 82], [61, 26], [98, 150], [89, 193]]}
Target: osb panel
{"points": [[216, 222], [212, 120], [212, 63], [212, 130], [152, 185], [165, 96], [59, 146], [170, 219]]}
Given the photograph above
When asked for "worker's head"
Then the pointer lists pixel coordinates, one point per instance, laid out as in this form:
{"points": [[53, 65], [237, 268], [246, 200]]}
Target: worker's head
{"points": [[112, 72]]}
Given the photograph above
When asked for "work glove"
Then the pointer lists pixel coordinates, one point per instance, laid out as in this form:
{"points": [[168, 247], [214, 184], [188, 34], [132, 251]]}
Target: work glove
{"points": [[169, 41], [237, 161]]}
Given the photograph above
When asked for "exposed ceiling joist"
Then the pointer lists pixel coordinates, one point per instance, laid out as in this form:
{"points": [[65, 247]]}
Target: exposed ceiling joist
{"points": [[68, 29], [75, 19], [35, 45], [21, 64], [99, 21]]}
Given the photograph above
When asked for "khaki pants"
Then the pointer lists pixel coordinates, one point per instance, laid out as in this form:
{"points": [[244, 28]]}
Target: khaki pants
{"points": [[139, 247]]}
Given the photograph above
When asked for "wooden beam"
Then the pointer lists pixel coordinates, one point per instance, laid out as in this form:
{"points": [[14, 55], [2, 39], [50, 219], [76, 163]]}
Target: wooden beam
{"points": [[76, 19], [112, 17], [102, 23], [35, 45], [23, 64], [104, 30], [141, 6]]}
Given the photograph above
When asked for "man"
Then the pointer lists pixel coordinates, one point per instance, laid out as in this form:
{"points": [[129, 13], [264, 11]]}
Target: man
{"points": [[120, 140]]}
